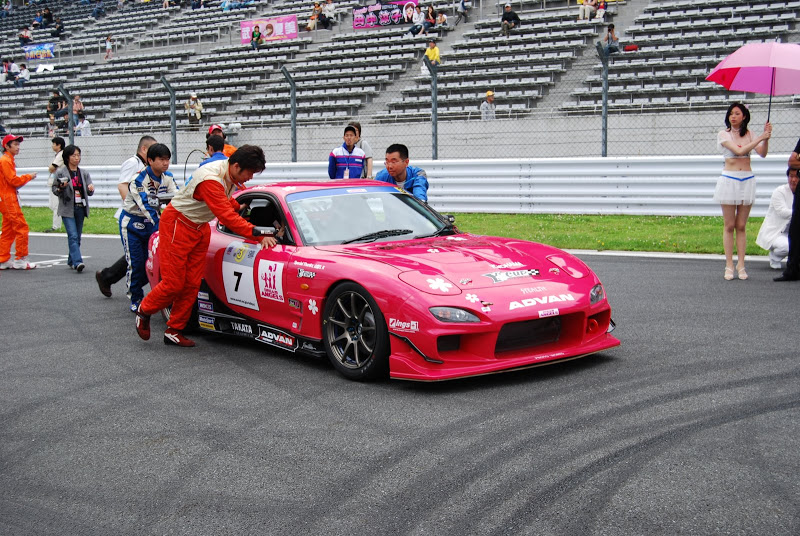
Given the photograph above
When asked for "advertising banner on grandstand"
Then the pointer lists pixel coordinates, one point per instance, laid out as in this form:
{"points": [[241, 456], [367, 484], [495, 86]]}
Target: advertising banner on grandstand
{"points": [[384, 14], [272, 29], [42, 51]]}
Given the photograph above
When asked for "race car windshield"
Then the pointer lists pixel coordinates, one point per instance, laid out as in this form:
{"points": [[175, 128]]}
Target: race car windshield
{"points": [[342, 215]]}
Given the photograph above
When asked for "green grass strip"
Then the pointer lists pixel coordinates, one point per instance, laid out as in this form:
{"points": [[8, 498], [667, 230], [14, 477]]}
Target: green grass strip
{"points": [[680, 234]]}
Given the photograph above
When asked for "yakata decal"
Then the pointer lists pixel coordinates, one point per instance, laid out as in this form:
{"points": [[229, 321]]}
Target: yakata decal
{"points": [[270, 280], [237, 275], [241, 327], [206, 322], [408, 326], [542, 300], [499, 277], [276, 338], [302, 272]]}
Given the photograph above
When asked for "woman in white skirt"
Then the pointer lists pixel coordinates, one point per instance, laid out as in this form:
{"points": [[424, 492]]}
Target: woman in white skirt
{"points": [[736, 187]]}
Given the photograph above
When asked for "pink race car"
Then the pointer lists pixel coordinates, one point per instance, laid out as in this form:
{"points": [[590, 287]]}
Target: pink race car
{"points": [[383, 285]]}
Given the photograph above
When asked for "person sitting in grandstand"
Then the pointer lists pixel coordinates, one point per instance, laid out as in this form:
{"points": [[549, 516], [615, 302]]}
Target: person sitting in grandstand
{"points": [[441, 21], [328, 15], [227, 5], [602, 6], [432, 53], [417, 26], [23, 76], [57, 105], [347, 160], [37, 20], [412, 179], [58, 29], [587, 10], [7, 9], [98, 9], [463, 10], [216, 130], [509, 21], [256, 38], [316, 11], [47, 17], [611, 41], [77, 106], [197, 4], [430, 19], [24, 36]]}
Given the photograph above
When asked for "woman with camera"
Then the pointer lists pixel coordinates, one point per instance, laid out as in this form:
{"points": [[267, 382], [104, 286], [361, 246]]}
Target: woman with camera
{"points": [[73, 186]]}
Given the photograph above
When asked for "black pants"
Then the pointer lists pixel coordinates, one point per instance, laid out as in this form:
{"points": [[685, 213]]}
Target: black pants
{"points": [[115, 272], [793, 262]]}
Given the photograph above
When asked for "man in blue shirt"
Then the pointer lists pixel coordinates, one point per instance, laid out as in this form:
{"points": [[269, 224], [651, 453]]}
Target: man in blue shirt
{"points": [[411, 179], [347, 161], [214, 148]]}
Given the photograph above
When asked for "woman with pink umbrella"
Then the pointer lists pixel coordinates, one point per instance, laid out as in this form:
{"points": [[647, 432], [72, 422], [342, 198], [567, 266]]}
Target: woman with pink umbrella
{"points": [[736, 186]]}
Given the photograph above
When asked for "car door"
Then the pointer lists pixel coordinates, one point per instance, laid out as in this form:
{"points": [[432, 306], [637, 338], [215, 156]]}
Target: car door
{"points": [[253, 282]]}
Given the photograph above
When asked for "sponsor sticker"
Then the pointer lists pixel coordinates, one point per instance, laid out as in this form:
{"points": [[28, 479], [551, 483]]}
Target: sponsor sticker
{"points": [[408, 326], [241, 327], [138, 225], [205, 306], [312, 306], [270, 280], [499, 277], [302, 272], [532, 290], [202, 295], [540, 300], [309, 346], [237, 275], [295, 304], [548, 312], [206, 322], [314, 266], [276, 338], [513, 264]]}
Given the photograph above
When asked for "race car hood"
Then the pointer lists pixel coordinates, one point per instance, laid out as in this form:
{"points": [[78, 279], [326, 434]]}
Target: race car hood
{"points": [[471, 262]]}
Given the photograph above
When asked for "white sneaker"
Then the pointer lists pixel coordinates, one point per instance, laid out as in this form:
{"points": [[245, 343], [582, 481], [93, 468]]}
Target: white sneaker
{"points": [[775, 265], [23, 264], [8, 265]]}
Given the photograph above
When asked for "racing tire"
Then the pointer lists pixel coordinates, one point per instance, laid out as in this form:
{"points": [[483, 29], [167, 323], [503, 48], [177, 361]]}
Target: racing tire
{"points": [[354, 334]]}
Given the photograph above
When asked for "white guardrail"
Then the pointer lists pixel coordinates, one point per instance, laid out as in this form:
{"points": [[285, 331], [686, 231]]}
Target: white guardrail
{"points": [[670, 186]]}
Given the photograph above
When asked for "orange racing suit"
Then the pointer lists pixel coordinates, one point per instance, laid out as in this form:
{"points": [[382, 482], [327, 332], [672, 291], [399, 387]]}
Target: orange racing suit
{"points": [[15, 228]]}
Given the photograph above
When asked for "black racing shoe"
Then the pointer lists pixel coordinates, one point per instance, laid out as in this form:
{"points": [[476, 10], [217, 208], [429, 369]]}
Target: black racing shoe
{"points": [[105, 288]]}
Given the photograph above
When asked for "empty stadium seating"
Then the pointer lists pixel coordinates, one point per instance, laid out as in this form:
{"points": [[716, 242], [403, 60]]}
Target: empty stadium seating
{"points": [[375, 74]]}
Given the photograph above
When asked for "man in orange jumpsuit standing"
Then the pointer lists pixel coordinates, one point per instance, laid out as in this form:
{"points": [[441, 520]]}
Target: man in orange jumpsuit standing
{"points": [[184, 236], [15, 228], [216, 130]]}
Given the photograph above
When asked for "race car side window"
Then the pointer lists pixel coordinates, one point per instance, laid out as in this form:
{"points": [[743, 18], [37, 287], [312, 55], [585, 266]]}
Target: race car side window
{"points": [[263, 212]]}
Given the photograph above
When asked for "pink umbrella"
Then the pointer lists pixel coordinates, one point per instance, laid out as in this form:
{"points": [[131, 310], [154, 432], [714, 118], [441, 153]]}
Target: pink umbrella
{"points": [[766, 68]]}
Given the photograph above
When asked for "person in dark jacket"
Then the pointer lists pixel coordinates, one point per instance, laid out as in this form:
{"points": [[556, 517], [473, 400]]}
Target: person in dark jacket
{"points": [[73, 186], [509, 21]]}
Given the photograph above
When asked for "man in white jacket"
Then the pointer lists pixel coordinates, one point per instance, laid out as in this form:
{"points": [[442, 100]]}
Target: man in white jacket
{"points": [[774, 232]]}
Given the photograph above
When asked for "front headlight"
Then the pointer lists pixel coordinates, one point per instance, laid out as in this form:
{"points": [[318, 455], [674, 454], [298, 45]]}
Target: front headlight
{"points": [[453, 314], [597, 294]]}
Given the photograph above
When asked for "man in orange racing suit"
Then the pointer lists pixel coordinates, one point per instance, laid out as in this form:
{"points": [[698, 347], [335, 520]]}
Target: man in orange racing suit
{"points": [[15, 228], [184, 237], [216, 130]]}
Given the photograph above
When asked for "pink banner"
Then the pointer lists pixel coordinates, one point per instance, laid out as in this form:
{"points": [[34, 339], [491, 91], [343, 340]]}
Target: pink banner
{"points": [[272, 29], [384, 14]]}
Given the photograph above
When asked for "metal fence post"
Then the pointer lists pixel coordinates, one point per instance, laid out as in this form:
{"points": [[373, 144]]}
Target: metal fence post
{"points": [[293, 99], [604, 128], [434, 109], [173, 123], [70, 115]]}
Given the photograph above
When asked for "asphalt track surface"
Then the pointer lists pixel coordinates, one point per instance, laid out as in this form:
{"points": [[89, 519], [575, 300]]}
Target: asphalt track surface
{"points": [[690, 427]]}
